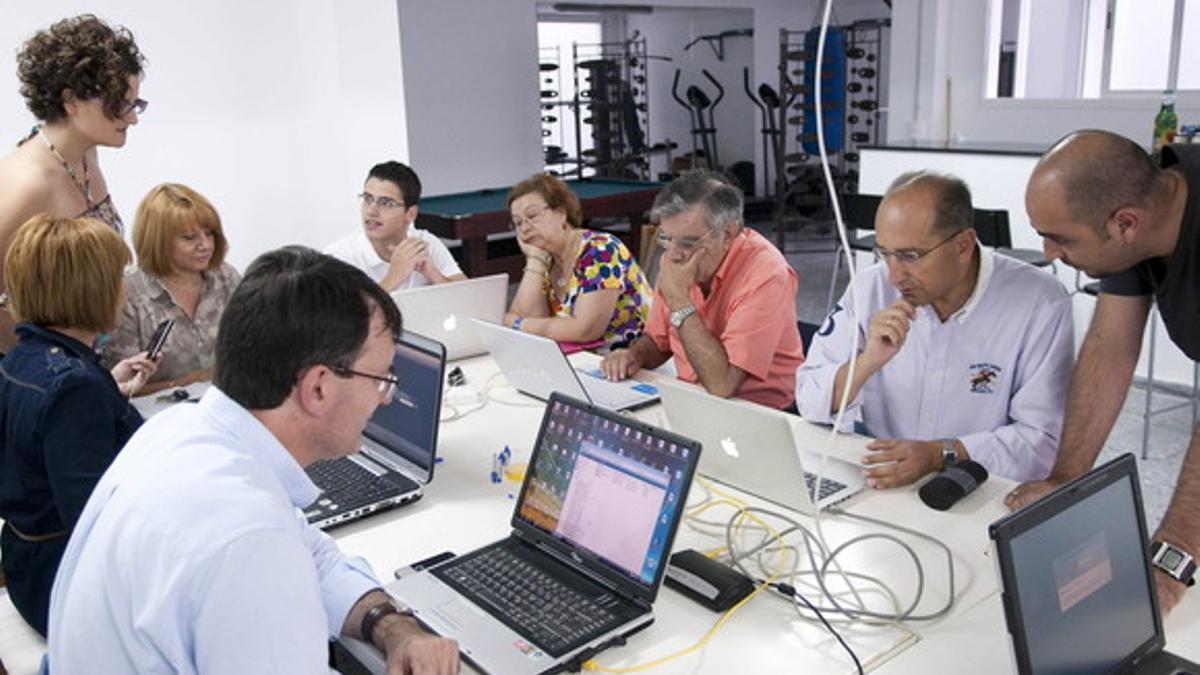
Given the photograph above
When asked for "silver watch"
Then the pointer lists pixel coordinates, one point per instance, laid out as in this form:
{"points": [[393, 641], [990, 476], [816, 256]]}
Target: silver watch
{"points": [[1176, 562], [680, 315], [949, 454]]}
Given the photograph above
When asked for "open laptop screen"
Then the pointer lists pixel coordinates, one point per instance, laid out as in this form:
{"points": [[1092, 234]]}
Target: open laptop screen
{"points": [[408, 425], [612, 488], [1077, 579]]}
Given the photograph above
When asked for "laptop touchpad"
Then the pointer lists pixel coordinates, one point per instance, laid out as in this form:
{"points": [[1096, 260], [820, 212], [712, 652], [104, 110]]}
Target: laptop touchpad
{"points": [[459, 613]]}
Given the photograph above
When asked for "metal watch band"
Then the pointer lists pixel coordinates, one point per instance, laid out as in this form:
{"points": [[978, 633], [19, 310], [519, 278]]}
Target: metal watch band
{"points": [[949, 453], [680, 315]]}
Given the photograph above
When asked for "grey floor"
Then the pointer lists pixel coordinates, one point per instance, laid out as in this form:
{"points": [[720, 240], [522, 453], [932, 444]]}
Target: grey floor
{"points": [[809, 246]]}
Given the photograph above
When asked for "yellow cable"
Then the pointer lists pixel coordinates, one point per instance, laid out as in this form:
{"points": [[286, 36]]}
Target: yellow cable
{"points": [[742, 514]]}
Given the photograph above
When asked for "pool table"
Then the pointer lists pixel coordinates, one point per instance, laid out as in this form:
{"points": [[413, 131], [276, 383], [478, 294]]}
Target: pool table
{"points": [[472, 216]]}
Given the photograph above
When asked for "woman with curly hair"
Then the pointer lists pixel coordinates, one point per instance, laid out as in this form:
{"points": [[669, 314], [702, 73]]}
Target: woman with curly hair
{"points": [[80, 79]]}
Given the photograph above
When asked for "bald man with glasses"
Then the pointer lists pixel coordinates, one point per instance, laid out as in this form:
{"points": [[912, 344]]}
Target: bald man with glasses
{"points": [[963, 353]]}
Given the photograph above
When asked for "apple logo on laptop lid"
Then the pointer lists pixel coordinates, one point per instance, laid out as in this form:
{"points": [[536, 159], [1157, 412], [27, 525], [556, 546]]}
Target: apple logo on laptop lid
{"points": [[730, 447], [450, 324]]}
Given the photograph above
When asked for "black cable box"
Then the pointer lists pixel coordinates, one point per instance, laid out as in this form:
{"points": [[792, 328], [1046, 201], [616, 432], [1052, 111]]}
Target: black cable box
{"points": [[715, 585]]}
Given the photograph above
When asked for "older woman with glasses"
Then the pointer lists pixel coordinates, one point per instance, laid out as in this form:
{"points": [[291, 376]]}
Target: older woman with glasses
{"points": [[80, 79], [182, 276], [578, 285], [65, 416]]}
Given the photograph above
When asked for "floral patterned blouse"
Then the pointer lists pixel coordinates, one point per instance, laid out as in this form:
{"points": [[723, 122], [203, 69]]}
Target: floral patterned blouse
{"points": [[604, 262]]}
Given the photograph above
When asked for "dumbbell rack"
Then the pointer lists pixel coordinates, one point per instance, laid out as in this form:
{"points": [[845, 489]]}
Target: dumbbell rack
{"points": [[852, 103], [553, 125], [612, 107], [863, 114]]}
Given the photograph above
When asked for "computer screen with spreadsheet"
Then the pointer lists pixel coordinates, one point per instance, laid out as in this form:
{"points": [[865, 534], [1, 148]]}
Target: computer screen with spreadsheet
{"points": [[612, 488]]}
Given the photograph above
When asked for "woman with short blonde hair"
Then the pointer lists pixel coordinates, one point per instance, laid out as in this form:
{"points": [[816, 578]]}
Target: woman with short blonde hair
{"points": [[65, 417], [182, 276]]}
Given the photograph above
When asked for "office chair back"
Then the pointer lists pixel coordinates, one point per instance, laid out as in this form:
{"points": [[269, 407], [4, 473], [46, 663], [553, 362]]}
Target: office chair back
{"points": [[991, 226]]}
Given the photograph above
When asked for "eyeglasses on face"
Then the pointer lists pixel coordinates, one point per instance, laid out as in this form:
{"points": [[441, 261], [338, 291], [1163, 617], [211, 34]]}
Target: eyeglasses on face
{"points": [[681, 244], [384, 203], [388, 384], [137, 105], [532, 214], [910, 256]]}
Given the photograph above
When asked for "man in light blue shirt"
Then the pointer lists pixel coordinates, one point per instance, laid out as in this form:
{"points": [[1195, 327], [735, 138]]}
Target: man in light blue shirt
{"points": [[964, 353], [191, 555]]}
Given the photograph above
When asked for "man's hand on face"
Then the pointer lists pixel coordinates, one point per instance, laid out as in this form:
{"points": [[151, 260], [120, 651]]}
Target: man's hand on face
{"points": [[675, 279], [887, 332]]}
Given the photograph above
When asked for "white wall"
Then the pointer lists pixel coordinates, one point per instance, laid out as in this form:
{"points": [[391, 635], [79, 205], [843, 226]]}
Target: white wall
{"points": [[471, 80], [273, 109]]}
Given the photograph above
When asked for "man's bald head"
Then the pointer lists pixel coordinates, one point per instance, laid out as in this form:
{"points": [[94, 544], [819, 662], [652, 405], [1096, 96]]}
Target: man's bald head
{"points": [[947, 197], [1093, 173]]}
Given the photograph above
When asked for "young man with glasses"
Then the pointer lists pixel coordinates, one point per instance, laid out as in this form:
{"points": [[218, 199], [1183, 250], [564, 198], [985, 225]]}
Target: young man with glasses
{"points": [[191, 554], [390, 248], [962, 352], [725, 301]]}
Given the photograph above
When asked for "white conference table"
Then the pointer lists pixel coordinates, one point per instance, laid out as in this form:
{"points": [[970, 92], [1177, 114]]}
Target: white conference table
{"points": [[462, 509]]}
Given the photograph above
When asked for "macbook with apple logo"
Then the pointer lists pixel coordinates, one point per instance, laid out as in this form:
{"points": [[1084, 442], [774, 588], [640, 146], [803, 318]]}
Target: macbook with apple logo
{"points": [[757, 449], [444, 311]]}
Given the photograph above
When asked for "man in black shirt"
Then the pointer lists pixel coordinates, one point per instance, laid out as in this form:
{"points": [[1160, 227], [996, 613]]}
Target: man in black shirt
{"points": [[1102, 205]]}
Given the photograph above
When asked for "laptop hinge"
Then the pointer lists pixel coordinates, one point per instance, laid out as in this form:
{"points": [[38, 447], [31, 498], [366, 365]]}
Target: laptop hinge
{"points": [[581, 567]]}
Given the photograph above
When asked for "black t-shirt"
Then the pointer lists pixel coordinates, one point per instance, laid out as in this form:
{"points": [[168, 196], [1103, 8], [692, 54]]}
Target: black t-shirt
{"points": [[1174, 280]]}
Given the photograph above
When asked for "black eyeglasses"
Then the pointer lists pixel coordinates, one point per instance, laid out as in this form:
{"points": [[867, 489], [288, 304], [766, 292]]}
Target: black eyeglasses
{"points": [[388, 384]]}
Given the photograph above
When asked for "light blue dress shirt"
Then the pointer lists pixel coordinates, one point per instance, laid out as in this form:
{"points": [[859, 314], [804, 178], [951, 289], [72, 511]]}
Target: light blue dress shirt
{"points": [[191, 557], [994, 375]]}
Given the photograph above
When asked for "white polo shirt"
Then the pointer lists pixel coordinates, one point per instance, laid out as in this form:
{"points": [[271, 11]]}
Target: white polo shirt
{"points": [[191, 557], [356, 249], [994, 375]]}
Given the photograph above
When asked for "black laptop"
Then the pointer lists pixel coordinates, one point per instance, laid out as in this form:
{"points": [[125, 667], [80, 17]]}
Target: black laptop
{"points": [[1078, 589], [398, 446], [592, 533]]}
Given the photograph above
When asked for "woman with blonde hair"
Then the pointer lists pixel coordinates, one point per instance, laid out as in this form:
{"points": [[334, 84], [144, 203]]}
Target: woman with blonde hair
{"points": [[63, 417], [578, 285], [182, 275]]}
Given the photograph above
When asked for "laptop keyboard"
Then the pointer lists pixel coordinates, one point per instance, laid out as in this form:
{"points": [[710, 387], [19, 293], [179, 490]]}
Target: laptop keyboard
{"points": [[541, 607], [611, 395], [346, 485], [828, 486]]}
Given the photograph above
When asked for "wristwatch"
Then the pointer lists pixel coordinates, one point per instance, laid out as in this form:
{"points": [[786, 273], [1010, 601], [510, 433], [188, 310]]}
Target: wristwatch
{"points": [[949, 453], [680, 315], [377, 612], [1176, 562]]}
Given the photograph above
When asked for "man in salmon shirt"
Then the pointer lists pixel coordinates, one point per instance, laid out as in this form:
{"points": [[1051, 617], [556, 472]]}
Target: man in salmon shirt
{"points": [[724, 305]]}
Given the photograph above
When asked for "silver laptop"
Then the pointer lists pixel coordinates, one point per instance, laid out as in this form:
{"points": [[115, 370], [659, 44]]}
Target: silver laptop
{"points": [[442, 311], [592, 532], [399, 443], [536, 366], [754, 449]]}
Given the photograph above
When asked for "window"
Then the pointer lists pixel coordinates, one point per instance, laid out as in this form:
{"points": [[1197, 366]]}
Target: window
{"points": [[1091, 48]]}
